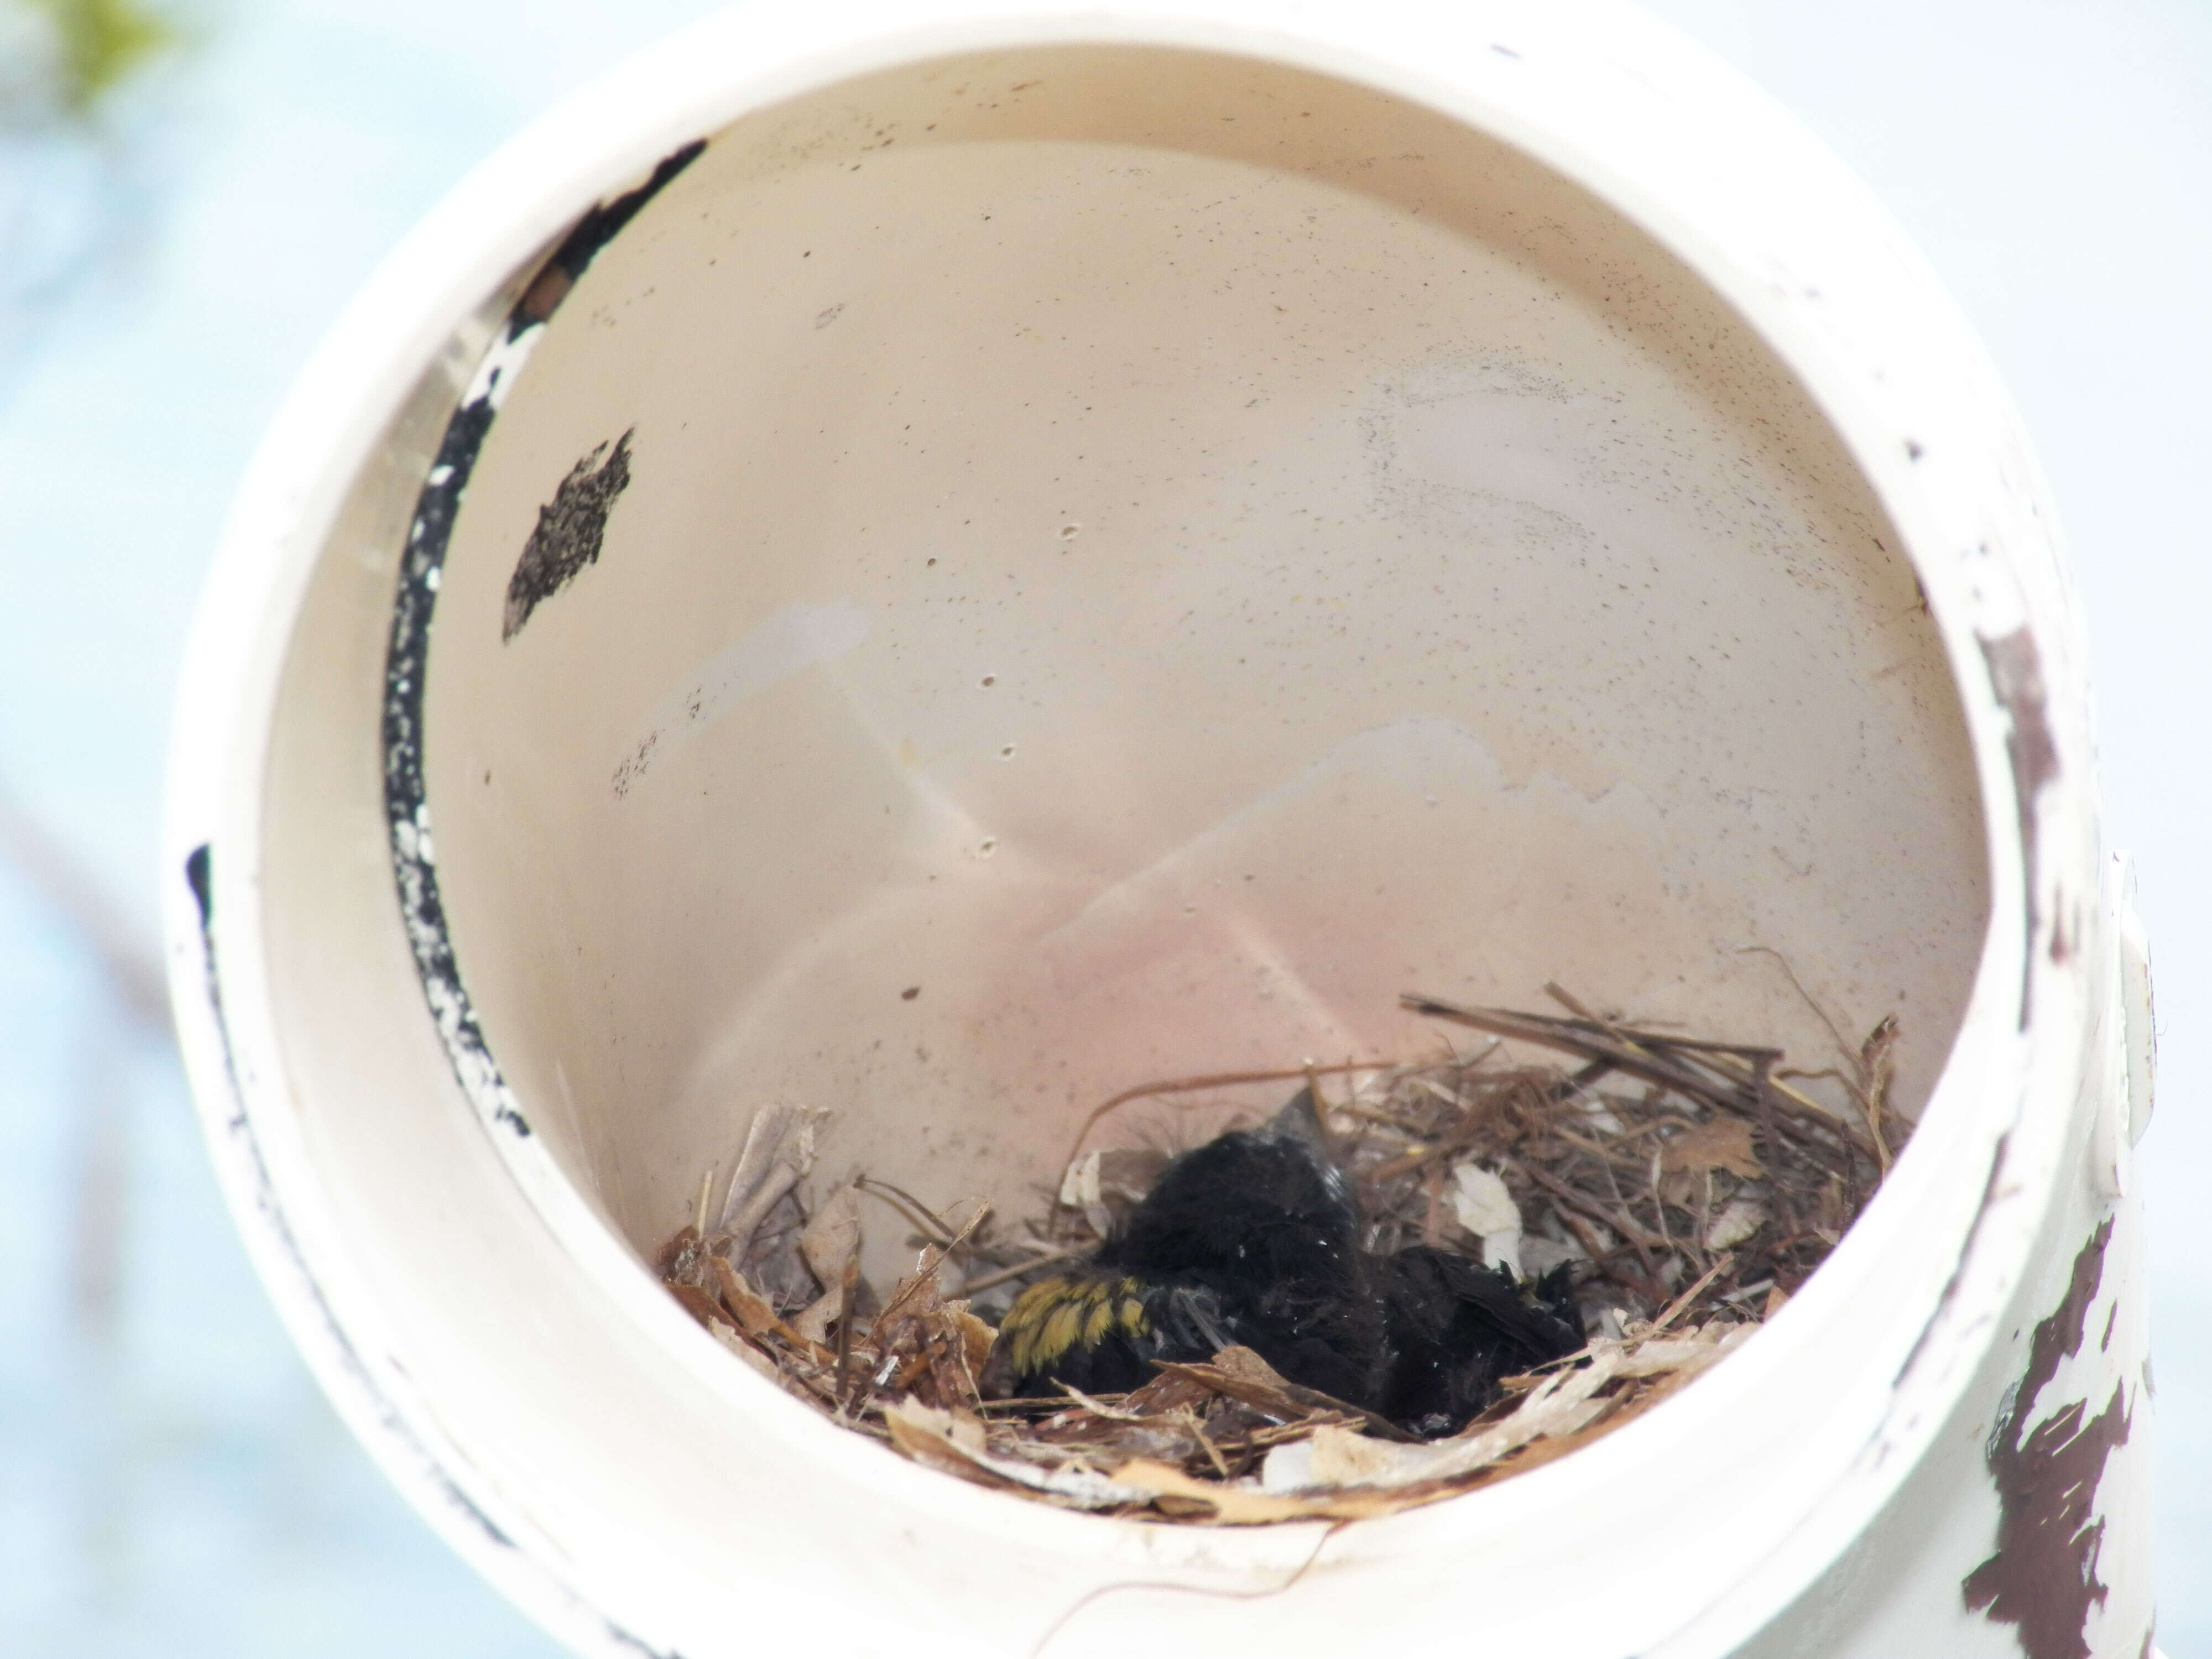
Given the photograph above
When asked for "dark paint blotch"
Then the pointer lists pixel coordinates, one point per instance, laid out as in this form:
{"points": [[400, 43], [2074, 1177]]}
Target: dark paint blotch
{"points": [[571, 529], [2043, 1578], [2015, 671], [197, 879]]}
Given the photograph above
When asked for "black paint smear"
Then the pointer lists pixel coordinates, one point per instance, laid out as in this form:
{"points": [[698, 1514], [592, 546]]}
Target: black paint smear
{"points": [[2016, 673], [407, 816], [406, 811], [589, 235], [2043, 1577], [407, 656], [389, 1419], [239, 1130], [571, 528]]}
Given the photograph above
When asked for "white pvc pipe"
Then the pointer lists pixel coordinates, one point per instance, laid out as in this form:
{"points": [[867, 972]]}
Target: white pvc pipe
{"points": [[1161, 526]]}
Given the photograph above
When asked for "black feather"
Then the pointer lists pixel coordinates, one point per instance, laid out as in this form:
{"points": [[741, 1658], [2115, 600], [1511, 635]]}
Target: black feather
{"points": [[1453, 1327], [1252, 1240]]}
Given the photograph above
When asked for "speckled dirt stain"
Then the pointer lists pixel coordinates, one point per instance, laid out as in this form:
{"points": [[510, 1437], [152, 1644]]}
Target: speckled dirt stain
{"points": [[2043, 1577]]}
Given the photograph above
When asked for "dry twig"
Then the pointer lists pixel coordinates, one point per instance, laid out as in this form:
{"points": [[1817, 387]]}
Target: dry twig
{"points": [[1747, 1183]]}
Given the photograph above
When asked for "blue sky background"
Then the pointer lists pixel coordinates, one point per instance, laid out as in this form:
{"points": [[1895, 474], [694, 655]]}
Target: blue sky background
{"points": [[170, 1479]]}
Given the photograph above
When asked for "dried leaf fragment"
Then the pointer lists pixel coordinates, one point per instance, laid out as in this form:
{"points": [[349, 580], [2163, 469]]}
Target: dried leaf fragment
{"points": [[1738, 1220], [828, 1244], [1079, 1186], [1482, 1201], [1233, 1501], [1342, 1458], [1719, 1143], [755, 1316], [976, 1336], [1483, 1206], [954, 1442], [679, 1257], [695, 1301], [833, 1236]]}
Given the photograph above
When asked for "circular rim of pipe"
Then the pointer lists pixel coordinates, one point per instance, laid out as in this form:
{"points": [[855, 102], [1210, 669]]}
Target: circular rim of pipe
{"points": [[1835, 291]]}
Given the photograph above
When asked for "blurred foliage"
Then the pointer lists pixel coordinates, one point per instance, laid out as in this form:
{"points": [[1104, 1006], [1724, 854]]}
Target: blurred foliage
{"points": [[84, 147], [96, 45]]}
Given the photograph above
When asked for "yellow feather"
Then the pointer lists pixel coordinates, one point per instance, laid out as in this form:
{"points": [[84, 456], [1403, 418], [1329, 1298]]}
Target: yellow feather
{"points": [[1061, 1330], [1059, 1314], [1031, 1303], [1023, 1326], [1100, 1322]]}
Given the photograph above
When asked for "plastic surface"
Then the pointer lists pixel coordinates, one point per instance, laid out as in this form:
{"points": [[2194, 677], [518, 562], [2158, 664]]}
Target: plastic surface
{"points": [[1152, 531]]}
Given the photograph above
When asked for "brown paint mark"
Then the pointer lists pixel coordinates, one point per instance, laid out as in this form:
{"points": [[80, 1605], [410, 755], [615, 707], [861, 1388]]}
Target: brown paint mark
{"points": [[2110, 1320], [2015, 671], [600, 225], [570, 529], [2043, 1577], [546, 294]]}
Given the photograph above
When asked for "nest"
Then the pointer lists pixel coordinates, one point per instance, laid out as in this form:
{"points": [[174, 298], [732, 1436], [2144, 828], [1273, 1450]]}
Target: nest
{"points": [[1692, 1185]]}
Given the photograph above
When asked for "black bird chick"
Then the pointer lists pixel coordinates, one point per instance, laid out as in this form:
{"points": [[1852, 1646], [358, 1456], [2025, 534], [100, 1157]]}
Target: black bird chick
{"points": [[1454, 1327], [1254, 1240]]}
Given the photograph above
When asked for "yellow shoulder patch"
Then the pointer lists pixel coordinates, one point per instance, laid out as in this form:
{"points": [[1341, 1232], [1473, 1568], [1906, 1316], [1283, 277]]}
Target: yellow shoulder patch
{"points": [[1056, 1314]]}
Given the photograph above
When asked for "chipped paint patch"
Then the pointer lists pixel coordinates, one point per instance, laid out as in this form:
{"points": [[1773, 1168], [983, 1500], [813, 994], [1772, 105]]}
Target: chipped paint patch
{"points": [[2015, 671], [571, 529], [2043, 1577]]}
